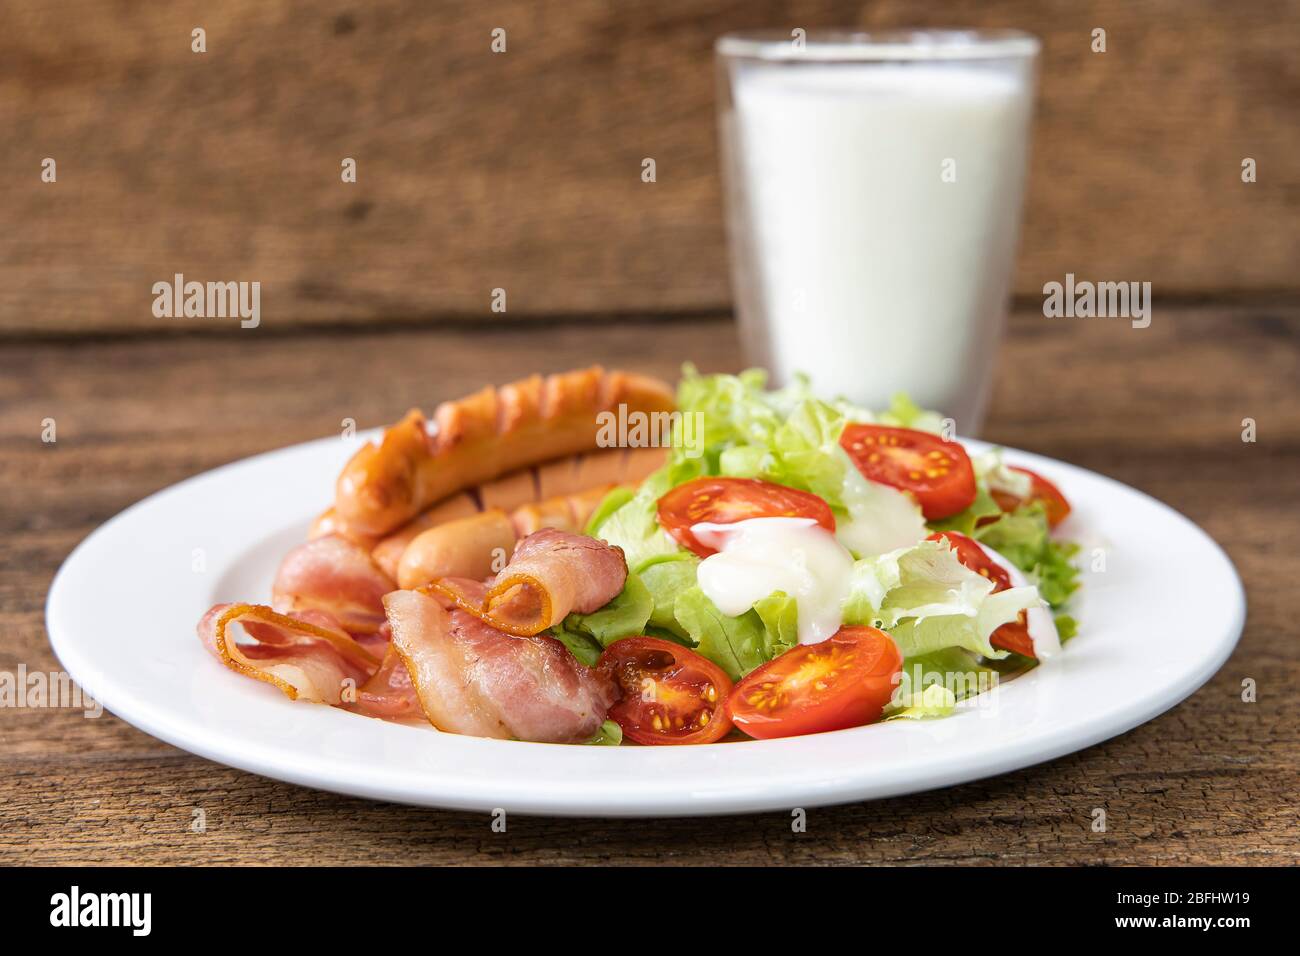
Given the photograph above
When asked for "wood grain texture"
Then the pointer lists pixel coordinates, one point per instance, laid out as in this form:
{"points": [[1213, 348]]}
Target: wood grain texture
{"points": [[1212, 781], [521, 170]]}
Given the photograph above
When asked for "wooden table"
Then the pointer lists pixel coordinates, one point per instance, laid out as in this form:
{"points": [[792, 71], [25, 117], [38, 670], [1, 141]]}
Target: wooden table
{"points": [[1213, 781]]}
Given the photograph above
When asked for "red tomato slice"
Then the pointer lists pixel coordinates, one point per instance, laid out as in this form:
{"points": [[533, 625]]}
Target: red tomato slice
{"points": [[1040, 490], [671, 695], [728, 500], [1014, 635], [937, 473], [843, 681]]}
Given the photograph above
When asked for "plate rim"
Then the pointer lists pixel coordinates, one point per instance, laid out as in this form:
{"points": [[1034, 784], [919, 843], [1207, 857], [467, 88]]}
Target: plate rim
{"points": [[306, 769]]}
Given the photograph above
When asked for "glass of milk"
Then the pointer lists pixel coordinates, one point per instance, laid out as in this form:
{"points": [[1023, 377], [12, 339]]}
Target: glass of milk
{"points": [[873, 186]]}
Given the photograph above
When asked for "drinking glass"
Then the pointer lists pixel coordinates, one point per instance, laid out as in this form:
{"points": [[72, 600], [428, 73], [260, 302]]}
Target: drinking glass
{"points": [[873, 186]]}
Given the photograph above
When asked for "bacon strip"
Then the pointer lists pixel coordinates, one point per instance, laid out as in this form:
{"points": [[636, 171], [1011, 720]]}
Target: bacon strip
{"points": [[389, 694], [473, 679], [335, 575], [307, 655], [551, 574]]}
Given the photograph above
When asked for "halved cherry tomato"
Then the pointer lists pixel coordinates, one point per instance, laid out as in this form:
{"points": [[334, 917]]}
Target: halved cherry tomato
{"points": [[728, 500], [671, 695], [1014, 635], [937, 473], [1040, 490], [843, 681]]}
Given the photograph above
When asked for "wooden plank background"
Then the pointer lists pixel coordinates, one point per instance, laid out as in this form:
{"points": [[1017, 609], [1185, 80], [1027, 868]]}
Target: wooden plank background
{"points": [[1212, 781], [522, 170]]}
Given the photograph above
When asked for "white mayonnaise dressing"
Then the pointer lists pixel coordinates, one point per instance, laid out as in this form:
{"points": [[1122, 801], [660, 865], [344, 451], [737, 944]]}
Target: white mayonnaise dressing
{"points": [[1038, 620], [881, 518], [760, 555]]}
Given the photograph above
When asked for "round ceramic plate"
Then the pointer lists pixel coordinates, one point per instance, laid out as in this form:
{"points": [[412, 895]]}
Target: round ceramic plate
{"points": [[1160, 609]]}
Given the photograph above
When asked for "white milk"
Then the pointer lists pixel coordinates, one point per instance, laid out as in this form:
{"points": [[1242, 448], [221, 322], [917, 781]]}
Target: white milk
{"points": [[855, 260]]}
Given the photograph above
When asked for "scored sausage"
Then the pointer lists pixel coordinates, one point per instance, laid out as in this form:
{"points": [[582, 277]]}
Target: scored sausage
{"points": [[479, 438]]}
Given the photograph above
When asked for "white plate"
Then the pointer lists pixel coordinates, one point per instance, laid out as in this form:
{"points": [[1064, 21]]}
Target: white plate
{"points": [[1157, 622]]}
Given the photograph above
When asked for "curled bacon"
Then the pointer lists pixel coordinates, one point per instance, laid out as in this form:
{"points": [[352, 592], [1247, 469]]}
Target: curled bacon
{"points": [[551, 574], [389, 694], [335, 575], [306, 655], [471, 678]]}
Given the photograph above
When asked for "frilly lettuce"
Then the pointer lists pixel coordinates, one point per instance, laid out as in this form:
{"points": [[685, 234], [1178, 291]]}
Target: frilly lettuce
{"points": [[930, 601], [1023, 538], [938, 611], [788, 437]]}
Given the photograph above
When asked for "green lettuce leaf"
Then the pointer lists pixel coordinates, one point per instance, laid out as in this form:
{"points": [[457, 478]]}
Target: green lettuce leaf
{"points": [[634, 525], [616, 498], [582, 646], [665, 578], [957, 673], [780, 616], [904, 413], [738, 644], [1024, 538], [609, 735], [934, 701], [736, 409], [965, 522], [626, 615]]}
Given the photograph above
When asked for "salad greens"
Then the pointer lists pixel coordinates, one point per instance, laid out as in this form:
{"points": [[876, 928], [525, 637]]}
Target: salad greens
{"points": [[929, 601], [586, 635], [610, 734], [738, 644], [1023, 538], [939, 612]]}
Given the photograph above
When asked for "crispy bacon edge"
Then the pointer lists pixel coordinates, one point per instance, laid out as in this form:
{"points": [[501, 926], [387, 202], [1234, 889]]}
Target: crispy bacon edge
{"points": [[213, 631]]}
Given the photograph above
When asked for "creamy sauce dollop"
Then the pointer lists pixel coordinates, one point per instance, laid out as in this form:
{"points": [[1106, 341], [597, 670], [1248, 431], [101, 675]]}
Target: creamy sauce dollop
{"points": [[760, 555]]}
